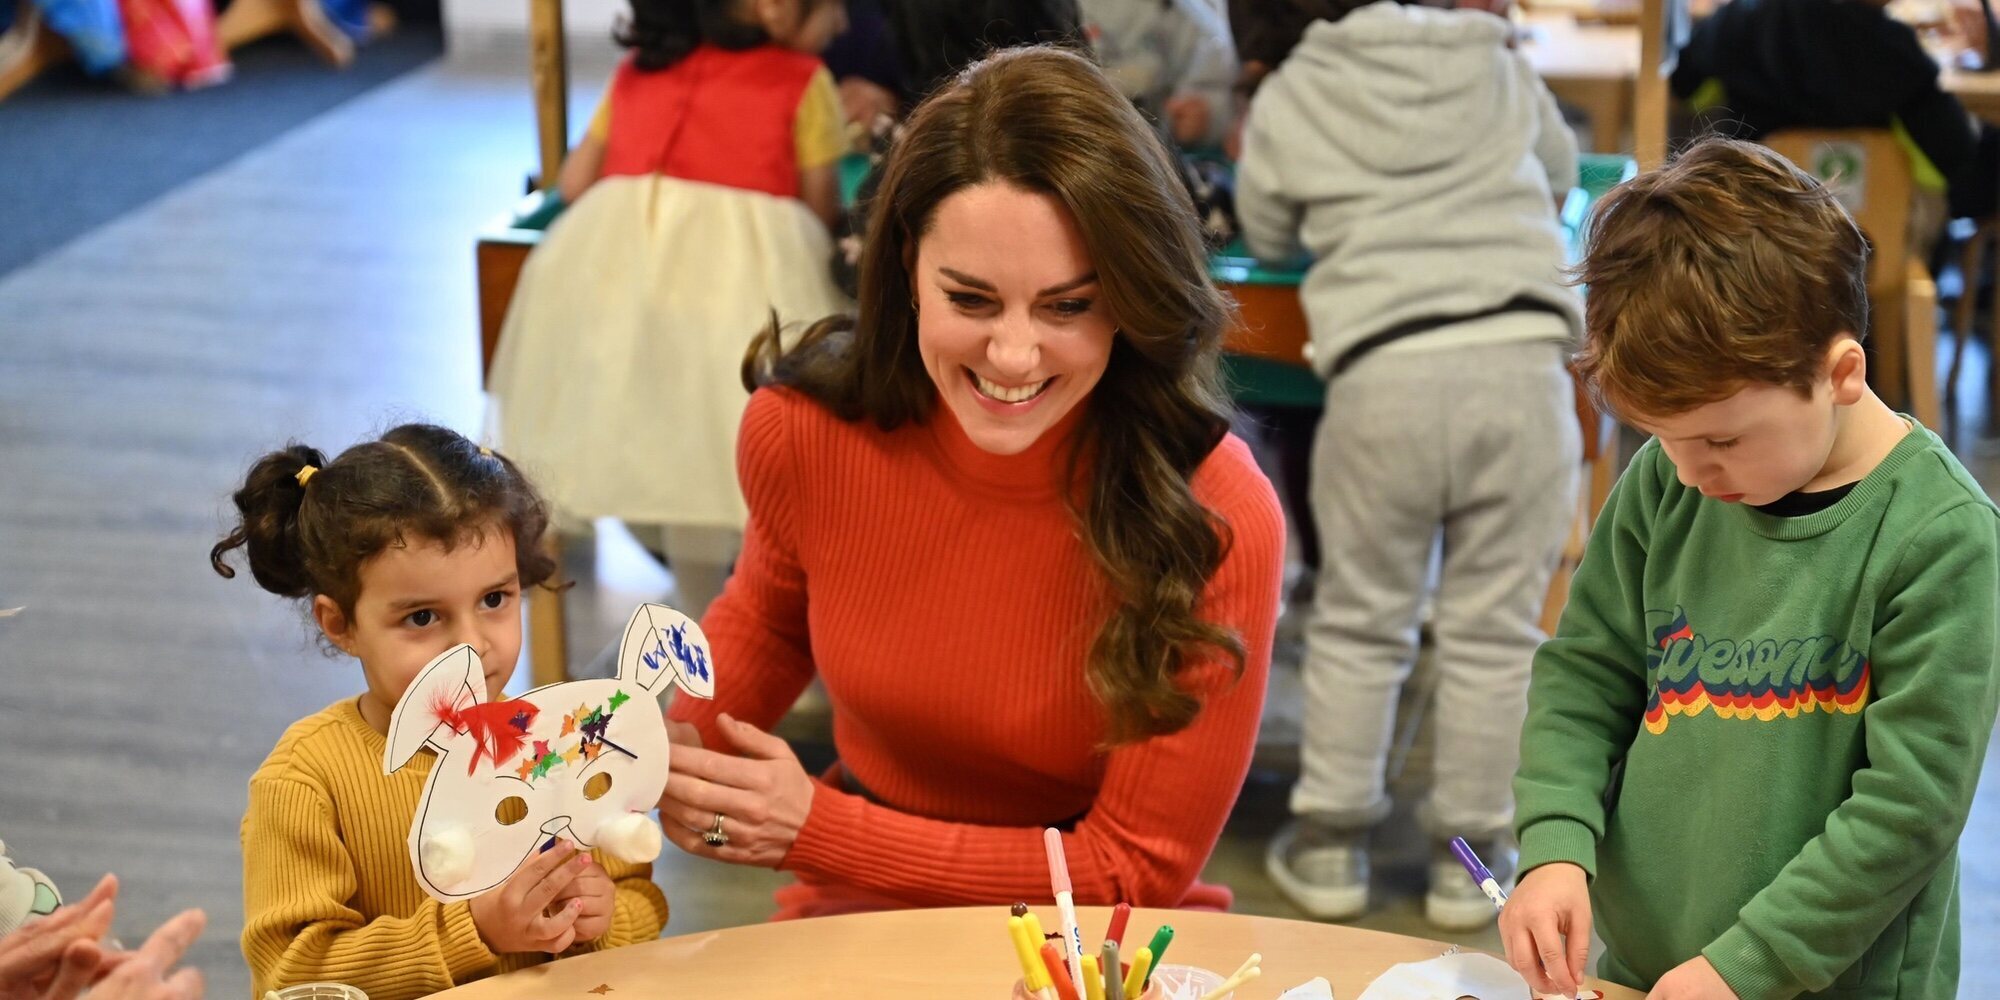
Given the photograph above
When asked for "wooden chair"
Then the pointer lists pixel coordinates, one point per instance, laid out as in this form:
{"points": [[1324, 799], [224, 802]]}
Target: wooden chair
{"points": [[1600, 471], [1871, 174]]}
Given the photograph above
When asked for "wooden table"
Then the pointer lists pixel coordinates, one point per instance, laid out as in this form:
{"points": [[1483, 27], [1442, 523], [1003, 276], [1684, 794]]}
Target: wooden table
{"points": [[962, 954], [1592, 66]]}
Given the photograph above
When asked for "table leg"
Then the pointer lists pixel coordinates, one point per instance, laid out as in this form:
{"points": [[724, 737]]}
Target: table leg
{"points": [[548, 648], [549, 67]]}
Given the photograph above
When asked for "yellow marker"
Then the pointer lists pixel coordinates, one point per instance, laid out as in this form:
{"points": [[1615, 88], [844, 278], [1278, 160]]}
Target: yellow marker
{"points": [[1093, 979], [1252, 962], [1033, 972], [1233, 983], [1035, 931], [1135, 981]]}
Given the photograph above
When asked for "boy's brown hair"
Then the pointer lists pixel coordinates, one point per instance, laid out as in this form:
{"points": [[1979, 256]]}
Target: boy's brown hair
{"points": [[1729, 267]]}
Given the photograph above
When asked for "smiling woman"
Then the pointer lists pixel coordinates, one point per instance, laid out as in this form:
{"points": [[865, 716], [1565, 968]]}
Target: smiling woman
{"points": [[999, 514], [1010, 355]]}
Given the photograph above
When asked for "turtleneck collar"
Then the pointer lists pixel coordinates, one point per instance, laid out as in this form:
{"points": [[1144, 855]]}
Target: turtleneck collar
{"points": [[1034, 474]]}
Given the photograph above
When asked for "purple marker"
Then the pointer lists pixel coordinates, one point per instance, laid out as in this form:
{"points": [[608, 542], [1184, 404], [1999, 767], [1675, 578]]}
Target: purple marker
{"points": [[1477, 869]]}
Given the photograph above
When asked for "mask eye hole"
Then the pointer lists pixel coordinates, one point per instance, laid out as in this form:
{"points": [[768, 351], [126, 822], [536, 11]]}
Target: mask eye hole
{"points": [[511, 810], [597, 786]]}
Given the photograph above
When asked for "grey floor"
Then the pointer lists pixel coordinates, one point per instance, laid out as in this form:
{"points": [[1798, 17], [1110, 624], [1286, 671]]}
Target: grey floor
{"points": [[321, 288]]}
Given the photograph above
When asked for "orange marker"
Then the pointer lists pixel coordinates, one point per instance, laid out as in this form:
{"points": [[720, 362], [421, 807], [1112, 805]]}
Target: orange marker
{"points": [[1058, 974]]}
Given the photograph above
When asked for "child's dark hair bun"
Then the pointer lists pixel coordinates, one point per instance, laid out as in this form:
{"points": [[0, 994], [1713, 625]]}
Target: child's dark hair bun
{"points": [[268, 503]]}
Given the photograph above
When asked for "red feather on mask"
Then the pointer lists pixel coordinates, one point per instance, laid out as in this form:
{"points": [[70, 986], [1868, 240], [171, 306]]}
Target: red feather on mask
{"points": [[498, 728]]}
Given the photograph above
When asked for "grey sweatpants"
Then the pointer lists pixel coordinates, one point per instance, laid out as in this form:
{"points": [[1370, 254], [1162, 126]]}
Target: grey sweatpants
{"points": [[1475, 449]]}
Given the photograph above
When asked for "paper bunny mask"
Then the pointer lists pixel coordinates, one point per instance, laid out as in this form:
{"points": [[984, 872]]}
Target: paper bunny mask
{"points": [[583, 759]]}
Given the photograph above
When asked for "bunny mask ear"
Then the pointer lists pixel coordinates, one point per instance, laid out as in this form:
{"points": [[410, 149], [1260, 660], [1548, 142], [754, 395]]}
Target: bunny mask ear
{"points": [[453, 681], [663, 645]]}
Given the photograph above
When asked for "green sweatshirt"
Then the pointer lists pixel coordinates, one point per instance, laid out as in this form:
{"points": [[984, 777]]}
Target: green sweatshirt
{"points": [[1761, 735]]}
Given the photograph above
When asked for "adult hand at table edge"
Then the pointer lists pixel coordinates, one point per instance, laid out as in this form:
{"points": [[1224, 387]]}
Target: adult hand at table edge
{"points": [[150, 973], [762, 792], [55, 957]]}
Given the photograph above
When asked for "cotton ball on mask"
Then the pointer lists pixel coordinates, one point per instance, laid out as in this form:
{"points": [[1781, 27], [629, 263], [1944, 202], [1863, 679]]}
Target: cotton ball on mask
{"points": [[446, 855], [632, 838]]}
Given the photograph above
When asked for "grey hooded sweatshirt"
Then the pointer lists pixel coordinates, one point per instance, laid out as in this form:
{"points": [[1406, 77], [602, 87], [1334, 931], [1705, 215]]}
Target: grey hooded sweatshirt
{"points": [[1418, 159]]}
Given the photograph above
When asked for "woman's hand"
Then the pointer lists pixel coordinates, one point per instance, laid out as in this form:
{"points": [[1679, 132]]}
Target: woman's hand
{"points": [[763, 796], [683, 734]]}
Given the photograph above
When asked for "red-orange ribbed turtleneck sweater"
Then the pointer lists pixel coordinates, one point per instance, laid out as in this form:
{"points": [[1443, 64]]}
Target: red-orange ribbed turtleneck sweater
{"points": [[944, 596]]}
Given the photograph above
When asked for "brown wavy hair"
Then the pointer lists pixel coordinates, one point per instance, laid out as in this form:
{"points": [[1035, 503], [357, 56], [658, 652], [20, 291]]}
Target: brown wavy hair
{"points": [[418, 481], [1045, 120], [1726, 268]]}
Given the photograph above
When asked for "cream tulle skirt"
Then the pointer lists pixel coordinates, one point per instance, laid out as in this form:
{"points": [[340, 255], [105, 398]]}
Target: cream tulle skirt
{"points": [[616, 384]]}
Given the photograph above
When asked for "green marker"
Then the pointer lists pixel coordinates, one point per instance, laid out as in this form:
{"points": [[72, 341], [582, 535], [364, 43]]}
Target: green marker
{"points": [[1161, 939]]}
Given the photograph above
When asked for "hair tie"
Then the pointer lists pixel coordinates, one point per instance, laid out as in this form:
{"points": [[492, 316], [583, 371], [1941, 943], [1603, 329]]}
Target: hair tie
{"points": [[483, 450], [304, 475]]}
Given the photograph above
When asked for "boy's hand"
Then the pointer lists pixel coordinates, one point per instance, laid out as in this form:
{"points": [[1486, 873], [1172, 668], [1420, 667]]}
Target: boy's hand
{"points": [[1545, 927], [598, 894], [1693, 979], [512, 918]]}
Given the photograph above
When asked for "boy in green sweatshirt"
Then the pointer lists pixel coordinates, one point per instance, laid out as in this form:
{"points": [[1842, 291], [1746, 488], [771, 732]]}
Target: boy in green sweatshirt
{"points": [[1754, 739]]}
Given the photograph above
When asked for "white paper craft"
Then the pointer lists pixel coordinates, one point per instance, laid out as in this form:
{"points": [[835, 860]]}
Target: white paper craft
{"points": [[585, 760], [1466, 974], [1317, 989]]}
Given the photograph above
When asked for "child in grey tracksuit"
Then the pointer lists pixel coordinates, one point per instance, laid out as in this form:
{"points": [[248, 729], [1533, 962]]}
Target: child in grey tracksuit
{"points": [[1419, 160], [1173, 58]]}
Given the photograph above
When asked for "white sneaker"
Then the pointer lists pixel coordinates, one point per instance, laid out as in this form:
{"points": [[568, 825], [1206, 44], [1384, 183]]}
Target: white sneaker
{"points": [[1323, 871]]}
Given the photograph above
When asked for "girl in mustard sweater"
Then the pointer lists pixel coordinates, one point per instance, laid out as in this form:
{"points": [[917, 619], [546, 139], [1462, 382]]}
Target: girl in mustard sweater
{"points": [[404, 547]]}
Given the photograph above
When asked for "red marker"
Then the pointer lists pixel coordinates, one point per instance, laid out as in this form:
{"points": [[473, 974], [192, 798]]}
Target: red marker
{"points": [[1058, 972], [1120, 914]]}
